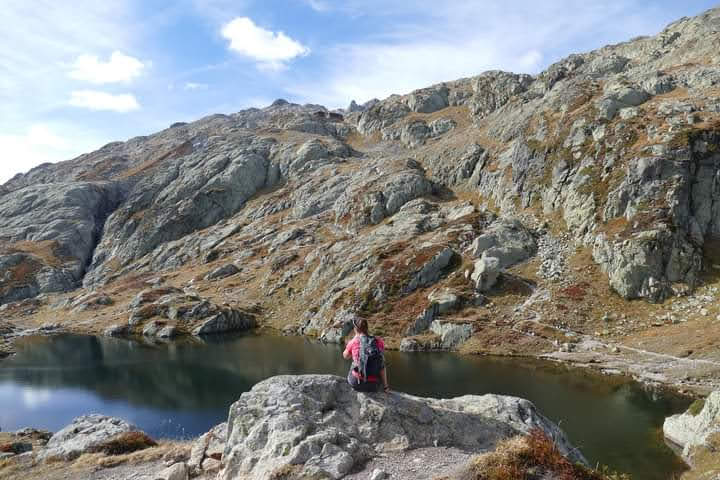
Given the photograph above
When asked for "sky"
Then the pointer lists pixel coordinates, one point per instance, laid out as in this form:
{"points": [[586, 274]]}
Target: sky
{"points": [[77, 74]]}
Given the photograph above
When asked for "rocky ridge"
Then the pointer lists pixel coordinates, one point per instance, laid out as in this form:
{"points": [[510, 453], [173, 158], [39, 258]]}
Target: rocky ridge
{"points": [[501, 213]]}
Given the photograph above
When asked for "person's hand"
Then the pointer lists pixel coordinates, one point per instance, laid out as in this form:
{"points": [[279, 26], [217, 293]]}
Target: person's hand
{"points": [[386, 388]]}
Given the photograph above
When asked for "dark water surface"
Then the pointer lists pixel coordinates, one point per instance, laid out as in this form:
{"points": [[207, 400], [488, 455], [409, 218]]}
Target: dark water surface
{"points": [[183, 389]]}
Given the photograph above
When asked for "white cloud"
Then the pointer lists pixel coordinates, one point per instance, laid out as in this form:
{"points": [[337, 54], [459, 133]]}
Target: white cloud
{"points": [[195, 86], [318, 5], [94, 100], [41, 143], [118, 68], [270, 49]]}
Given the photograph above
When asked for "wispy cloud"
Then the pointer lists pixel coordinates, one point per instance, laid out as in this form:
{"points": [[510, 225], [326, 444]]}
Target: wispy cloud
{"points": [[94, 100], [270, 49], [195, 86], [319, 5], [119, 68]]}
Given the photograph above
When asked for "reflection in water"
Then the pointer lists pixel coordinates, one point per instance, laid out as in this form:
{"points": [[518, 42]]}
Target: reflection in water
{"points": [[182, 389]]}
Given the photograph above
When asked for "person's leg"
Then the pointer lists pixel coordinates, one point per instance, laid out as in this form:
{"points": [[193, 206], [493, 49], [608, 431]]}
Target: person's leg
{"points": [[353, 381], [368, 387]]}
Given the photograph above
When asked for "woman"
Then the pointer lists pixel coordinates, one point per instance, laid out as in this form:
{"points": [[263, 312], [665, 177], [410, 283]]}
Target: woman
{"points": [[367, 353]]}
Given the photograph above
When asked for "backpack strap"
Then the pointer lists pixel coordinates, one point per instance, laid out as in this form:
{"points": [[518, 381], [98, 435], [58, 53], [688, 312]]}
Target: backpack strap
{"points": [[365, 341]]}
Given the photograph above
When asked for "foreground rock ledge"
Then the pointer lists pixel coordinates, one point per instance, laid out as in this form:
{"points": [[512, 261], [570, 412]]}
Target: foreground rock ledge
{"points": [[316, 425]]}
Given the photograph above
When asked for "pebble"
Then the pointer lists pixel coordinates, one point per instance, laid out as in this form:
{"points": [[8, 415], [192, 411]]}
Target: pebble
{"points": [[378, 474]]}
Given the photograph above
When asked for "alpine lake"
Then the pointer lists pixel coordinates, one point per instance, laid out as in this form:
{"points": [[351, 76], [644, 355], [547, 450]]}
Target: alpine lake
{"points": [[181, 389]]}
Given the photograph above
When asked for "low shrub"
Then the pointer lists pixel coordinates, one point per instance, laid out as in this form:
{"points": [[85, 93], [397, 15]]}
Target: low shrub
{"points": [[125, 443], [531, 457]]}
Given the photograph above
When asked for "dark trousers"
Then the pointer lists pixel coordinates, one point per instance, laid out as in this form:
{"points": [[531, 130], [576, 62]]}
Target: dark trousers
{"points": [[359, 386]]}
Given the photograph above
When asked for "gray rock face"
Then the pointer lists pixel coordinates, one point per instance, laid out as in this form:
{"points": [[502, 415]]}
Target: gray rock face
{"points": [[507, 240], [692, 430], [319, 425], [48, 236], [223, 272], [175, 472], [432, 270], [451, 334], [82, 434], [486, 273], [207, 451], [189, 194], [226, 321]]}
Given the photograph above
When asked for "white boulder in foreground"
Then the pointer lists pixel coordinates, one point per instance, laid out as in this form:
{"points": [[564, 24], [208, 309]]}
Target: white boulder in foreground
{"points": [[316, 425], [82, 435]]}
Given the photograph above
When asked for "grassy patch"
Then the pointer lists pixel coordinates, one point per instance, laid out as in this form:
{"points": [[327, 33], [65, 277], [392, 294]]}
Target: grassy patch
{"points": [[125, 443], [530, 457], [696, 407]]}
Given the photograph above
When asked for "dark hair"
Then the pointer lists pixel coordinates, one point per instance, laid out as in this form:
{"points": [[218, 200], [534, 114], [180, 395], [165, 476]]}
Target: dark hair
{"points": [[361, 325]]}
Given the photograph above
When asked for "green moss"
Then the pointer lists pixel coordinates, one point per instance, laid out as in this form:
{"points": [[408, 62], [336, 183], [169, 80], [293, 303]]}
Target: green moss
{"points": [[696, 407]]}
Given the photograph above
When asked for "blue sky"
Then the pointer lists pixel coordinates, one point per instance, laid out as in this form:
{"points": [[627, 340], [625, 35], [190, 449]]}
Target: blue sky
{"points": [[76, 74]]}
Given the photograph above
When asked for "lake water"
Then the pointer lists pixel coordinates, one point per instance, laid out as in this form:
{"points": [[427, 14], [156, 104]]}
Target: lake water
{"points": [[182, 389]]}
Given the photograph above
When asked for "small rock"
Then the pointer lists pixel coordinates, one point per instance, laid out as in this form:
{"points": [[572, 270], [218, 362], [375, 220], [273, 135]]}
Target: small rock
{"points": [[378, 474], [116, 330], [178, 471], [223, 272], [167, 332], [152, 329]]}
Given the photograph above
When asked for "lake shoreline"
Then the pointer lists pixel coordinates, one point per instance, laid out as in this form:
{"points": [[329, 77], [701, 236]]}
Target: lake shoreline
{"points": [[647, 368]]}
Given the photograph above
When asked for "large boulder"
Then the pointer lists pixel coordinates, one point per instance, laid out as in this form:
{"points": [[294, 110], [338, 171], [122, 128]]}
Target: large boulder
{"points": [[317, 426], [695, 428], [485, 274], [507, 240], [82, 435]]}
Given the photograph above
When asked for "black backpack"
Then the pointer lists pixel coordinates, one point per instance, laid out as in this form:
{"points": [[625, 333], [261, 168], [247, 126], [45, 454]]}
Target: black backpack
{"points": [[371, 358]]}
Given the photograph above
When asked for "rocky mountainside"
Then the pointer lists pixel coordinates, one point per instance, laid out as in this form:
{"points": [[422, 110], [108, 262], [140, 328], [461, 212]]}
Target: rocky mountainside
{"points": [[495, 212]]}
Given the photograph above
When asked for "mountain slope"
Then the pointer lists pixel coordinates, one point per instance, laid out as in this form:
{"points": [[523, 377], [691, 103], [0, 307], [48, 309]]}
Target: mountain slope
{"points": [[483, 212]]}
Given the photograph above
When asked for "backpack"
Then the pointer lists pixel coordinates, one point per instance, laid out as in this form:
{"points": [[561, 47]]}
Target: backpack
{"points": [[371, 358]]}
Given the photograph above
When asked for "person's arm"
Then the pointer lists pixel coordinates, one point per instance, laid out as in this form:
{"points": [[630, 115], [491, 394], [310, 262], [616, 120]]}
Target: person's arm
{"points": [[347, 353], [383, 377]]}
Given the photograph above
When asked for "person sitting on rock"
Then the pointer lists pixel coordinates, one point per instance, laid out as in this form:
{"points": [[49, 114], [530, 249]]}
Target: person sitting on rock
{"points": [[366, 352]]}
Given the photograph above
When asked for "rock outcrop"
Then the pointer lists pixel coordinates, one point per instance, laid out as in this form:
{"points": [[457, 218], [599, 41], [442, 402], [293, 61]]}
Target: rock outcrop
{"points": [[697, 430], [317, 426], [164, 312]]}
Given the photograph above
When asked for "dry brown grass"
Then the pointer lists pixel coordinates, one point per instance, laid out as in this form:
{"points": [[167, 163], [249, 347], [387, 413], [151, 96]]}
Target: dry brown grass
{"points": [[530, 457], [125, 443], [460, 115], [45, 251]]}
